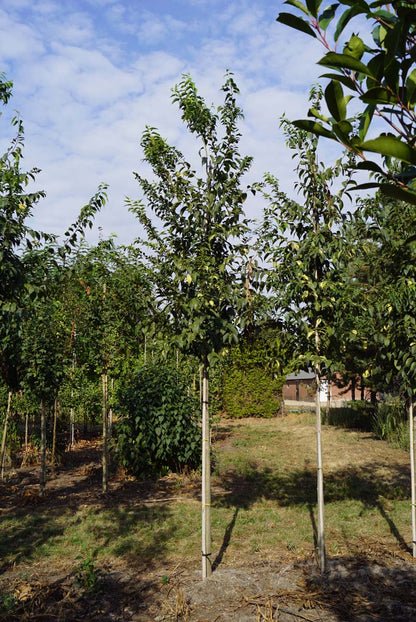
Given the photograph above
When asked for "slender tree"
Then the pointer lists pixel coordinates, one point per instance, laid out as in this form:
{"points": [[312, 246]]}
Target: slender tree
{"points": [[302, 243], [197, 258]]}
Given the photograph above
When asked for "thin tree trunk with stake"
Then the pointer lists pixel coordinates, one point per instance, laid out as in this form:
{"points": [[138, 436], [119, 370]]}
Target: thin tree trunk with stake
{"points": [[105, 433], [55, 418], [3, 442], [206, 478], [320, 475], [42, 480], [412, 474]]}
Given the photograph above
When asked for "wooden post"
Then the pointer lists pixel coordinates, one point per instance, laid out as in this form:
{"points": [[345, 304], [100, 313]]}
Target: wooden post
{"points": [[3, 441], [206, 478], [55, 418], [42, 477], [320, 475], [412, 474], [105, 433]]}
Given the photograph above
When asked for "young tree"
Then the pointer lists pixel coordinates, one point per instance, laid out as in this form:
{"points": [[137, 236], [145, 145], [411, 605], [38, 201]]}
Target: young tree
{"points": [[197, 258], [381, 73], [303, 245]]}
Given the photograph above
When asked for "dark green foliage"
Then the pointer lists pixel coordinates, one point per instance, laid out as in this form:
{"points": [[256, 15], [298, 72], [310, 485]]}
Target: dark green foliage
{"points": [[390, 422], [251, 392], [160, 430], [356, 415], [253, 380]]}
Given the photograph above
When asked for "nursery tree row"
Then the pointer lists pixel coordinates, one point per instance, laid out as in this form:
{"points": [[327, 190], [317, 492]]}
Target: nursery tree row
{"points": [[326, 281]]}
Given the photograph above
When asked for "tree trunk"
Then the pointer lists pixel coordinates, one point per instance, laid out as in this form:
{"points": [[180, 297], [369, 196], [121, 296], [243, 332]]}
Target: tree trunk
{"points": [[55, 417], [3, 442], [42, 477], [110, 411], [328, 400], [105, 433], [412, 474], [72, 427], [320, 476], [72, 411], [206, 478], [26, 440]]}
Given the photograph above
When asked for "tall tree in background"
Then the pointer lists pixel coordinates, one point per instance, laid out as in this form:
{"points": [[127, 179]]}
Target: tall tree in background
{"points": [[380, 72], [199, 255], [384, 275], [16, 205], [303, 244]]}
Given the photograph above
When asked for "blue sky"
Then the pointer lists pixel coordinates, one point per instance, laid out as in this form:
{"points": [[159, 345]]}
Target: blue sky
{"points": [[89, 76]]}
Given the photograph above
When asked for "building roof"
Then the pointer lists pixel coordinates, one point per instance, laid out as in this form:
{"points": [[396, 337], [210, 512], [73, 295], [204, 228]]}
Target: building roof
{"points": [[301, 375]]}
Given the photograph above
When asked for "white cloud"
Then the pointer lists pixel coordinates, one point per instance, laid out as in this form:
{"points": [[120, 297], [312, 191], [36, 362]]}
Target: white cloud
{"points": [[17, 40], [89, 76]]}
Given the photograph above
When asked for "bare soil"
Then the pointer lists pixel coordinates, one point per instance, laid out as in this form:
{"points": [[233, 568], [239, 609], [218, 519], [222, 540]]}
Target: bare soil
{"points": [[377, 584]]}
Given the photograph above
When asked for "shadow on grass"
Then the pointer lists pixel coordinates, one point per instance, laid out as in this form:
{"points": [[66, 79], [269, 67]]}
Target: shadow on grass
{"points": [[366, 484], [139, 535]]}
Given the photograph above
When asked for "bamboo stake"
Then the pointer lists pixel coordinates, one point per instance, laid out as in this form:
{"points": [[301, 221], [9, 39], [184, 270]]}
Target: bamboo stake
{"points": [[55, 417], [320, 476], [72, 411], [206, 478], [42, 478], [105, 433], [3, 442], [412, 474], [110, 411]]}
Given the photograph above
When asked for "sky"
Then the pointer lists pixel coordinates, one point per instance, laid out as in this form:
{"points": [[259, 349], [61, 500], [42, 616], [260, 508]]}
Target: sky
{"points": [[90, 75]]}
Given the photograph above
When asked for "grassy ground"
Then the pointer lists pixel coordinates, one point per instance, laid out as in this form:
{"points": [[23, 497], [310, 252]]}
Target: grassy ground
{"points": [[264, 510]]}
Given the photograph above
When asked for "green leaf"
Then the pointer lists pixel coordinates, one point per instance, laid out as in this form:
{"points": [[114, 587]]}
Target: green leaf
{"points": [[386, 16], [298, 5], [313, 6], [411, 88], [367, 186], [365, 121], [313, 127], [370, 166], [327, 16], [378, 95], [397, 192], [345, 61], [390, 146], [313, 112], [343, 130], [356, 9], [345, 80], [355, 47], [334, 97], [295, 22]]}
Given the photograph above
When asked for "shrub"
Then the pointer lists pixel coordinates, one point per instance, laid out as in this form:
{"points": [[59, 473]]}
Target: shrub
{"points": [[251, 392], [356, 415], [160, 430], [253, 377], [390, 422]]}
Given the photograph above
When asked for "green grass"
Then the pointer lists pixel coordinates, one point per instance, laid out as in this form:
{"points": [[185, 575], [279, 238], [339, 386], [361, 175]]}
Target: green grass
{"points": [[263, 506]]}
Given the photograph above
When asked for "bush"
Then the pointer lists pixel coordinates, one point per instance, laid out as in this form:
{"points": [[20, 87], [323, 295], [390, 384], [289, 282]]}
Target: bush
{"points": [[251, 392], [253, 375], [356, 415], [160, 430], [390, 422]]}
